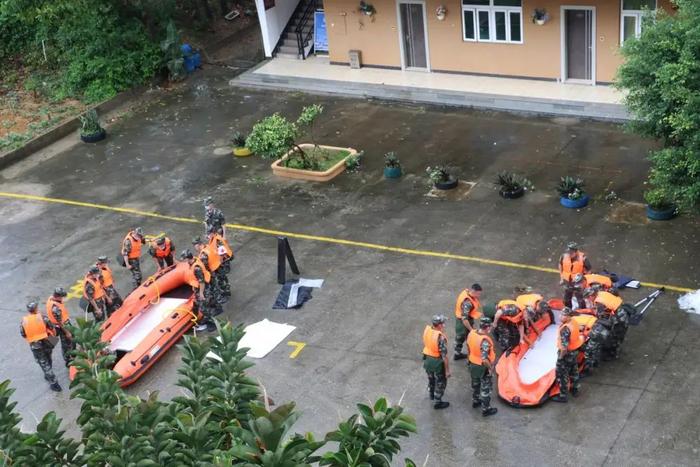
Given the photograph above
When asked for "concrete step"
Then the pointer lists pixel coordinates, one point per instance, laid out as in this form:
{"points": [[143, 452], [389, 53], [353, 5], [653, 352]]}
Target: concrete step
{"points": [[289, 48], [287, 55]]}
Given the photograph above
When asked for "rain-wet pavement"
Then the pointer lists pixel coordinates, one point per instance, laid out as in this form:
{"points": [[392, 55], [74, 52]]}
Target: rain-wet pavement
{"points": [[363, 328]]}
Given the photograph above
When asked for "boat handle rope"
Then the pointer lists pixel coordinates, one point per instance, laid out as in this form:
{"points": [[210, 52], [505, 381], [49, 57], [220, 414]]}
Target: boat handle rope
{"points": [[152, 281]]}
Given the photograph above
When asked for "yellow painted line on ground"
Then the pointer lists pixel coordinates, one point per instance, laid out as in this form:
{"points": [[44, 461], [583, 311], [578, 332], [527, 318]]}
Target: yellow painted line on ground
{"points": [[316, 238], [297, 348]]}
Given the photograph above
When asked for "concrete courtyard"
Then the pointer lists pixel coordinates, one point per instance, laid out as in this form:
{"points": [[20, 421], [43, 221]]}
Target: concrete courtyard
{"points": [[363, 328]]}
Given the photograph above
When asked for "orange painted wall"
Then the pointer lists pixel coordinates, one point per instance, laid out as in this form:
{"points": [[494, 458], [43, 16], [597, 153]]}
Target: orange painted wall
{"points": [[537, 57]]}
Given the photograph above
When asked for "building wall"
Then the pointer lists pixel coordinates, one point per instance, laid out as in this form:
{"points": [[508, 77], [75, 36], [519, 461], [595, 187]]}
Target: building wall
{"points": [[537, 57], [273, 21]]}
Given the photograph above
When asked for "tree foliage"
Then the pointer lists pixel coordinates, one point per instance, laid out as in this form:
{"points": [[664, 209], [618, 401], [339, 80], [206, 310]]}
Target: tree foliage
{"points": [[661, 76], [219, 420], [89, 49]]}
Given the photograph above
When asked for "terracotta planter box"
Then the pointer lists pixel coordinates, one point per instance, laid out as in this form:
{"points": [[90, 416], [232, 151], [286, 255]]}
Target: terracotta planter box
{"points": [[311, 175]]}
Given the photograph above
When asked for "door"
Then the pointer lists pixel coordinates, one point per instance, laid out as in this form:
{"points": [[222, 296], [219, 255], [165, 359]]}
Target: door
{"points": [[413, 37], [578, 45]]}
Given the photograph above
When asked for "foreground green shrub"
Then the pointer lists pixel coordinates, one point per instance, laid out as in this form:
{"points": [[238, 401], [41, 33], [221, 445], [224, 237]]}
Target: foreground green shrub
{"points": [[220, 419]]}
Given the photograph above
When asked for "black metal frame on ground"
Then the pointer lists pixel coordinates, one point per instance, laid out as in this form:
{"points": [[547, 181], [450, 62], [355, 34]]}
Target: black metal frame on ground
{"points": [[299, 30], [284, 254]]}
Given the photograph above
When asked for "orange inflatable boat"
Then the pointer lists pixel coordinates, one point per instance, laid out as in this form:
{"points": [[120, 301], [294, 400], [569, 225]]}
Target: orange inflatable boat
{"points": [[151, 320], [527, 376]]}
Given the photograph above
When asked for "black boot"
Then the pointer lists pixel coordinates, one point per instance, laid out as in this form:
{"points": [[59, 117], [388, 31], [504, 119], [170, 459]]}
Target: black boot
{"points": [[441, 405], [56, 387], [459, 356], [476, 404], [575, 391], [560, 398], [431, 394], [489, 411]]}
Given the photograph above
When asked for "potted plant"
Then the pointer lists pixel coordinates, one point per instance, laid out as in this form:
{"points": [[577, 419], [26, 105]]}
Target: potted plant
{"points": [[441, 178], [540, 16], [90, 129], [276, 137], [659, 206], [511, 185], [239, 147], [367, 9], [392, 165], [571, 194]]}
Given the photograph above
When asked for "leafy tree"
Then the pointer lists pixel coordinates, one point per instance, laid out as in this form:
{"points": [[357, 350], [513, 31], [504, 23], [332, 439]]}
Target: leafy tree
{"points": [[221, 419], [661, 75]]}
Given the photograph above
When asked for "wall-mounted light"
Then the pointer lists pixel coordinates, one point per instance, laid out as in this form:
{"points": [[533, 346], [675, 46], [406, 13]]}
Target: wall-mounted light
{"points": [[441, 12]]}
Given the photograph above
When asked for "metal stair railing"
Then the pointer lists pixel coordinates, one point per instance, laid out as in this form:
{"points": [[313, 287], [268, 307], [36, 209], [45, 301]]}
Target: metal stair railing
{"points": [[303, 38]]}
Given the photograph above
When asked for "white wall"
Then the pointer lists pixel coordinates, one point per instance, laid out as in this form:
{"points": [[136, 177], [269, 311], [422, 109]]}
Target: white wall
{"points": [[273, 21]]}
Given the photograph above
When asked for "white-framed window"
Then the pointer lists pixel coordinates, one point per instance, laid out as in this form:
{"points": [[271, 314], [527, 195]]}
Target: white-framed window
{"points": [[631, 19], [492, 21]]}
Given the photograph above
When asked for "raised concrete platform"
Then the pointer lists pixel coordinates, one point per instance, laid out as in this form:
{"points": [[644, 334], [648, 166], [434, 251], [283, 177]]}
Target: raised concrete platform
{"points": [[317, 75]]}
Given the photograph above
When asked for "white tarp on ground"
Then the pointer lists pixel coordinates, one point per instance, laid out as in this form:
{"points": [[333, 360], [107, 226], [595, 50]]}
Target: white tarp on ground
{"points": [[261, 338], [294, 290], [141, 325], [541, 358], [690, 302]]}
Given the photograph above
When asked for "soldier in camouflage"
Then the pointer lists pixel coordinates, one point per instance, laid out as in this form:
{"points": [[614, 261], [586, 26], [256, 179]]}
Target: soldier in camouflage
{"points": [[35, 329], [58, 315], [201, 294], [617, 324], [212, 291], [435, 361], [482, 357], [592, 348], [213, 218], [133, 242], [567, 365]]}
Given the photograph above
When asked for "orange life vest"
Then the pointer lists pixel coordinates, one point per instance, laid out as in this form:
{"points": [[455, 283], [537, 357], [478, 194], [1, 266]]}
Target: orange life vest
{"points": [[213, 255], [225, 252], [575, 338], [605, 281], [50, 302], [34, 327], [107, 279], [99, 290], [610, 301], [430, 342], [475, 312], [513, 319], [568, 269], [163, 252], [191, 279], [531, 300], [585, 323], [474, 341], [135, 252]]}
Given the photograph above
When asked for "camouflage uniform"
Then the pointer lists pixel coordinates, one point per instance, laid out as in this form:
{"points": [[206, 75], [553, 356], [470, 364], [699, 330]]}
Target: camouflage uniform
{"points": [[507, 333], [202, 306], [593, 347], [42, 353], [435, 368], [67, 344], [461, 330], [135, 264], [165, 261], [617, 324], [214, 221], [567, 367], [482, 380], [212, 291], [90, 292], [116, 300]]}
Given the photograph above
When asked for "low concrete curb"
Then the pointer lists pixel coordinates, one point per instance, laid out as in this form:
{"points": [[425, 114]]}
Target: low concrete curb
{"points": [[592, 110], [65, 128]]}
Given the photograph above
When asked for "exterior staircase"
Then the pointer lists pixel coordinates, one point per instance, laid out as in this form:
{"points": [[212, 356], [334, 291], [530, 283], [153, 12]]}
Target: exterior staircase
{"points": [[288, 45]]}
